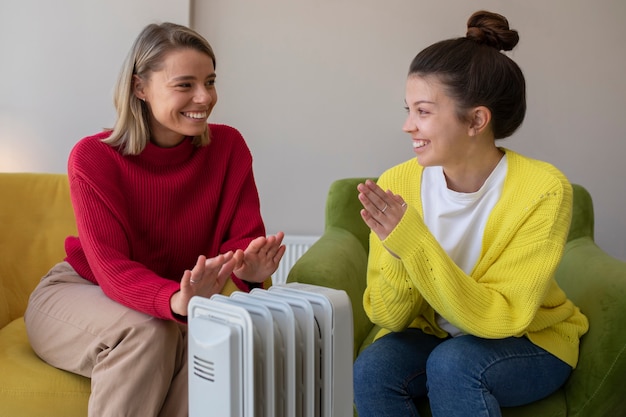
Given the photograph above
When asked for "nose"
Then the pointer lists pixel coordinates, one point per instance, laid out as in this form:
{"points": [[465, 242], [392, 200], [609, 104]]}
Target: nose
{"points": [[409, 126], [205, 96]]}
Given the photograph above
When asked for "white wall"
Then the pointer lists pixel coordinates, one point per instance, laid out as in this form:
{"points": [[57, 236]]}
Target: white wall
{"points": [[317, 89], [59, 63]]}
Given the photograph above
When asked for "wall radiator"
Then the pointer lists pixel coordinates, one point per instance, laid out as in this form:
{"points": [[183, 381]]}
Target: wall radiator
{"points": [[282, 352], [296, 245]]}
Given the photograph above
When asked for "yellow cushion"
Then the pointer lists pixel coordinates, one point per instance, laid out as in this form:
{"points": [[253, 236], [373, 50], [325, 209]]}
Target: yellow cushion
{"points": [[36, 216], [30, 387]]}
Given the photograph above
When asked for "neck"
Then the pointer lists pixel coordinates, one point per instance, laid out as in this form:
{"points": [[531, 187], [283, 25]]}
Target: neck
{"points": [[470, 177]]}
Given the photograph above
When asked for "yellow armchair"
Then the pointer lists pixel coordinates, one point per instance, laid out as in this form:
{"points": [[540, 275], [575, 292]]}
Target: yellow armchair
{"points": [[35, 218]]}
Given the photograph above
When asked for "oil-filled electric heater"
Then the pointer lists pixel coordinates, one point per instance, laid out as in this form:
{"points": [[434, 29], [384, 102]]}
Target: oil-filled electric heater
{"points": [[282, 352]]}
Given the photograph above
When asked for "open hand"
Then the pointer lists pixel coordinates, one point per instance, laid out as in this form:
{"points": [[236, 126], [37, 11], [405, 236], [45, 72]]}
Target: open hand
{"points": [[206, 278], [261, 258]]}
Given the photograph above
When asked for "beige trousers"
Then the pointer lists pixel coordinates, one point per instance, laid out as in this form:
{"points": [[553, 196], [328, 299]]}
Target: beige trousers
{"points": [[137, 363]]}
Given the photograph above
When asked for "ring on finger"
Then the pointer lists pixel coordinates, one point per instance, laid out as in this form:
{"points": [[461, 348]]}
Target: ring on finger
{"points": [[193, 281], [385, 208], [404, 204]]}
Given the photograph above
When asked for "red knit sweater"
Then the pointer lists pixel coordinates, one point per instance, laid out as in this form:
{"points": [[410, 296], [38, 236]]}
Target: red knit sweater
{"points": [[142, 220]]}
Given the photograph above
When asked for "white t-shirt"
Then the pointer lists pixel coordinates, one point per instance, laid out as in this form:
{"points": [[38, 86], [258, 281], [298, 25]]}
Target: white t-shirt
{"points": [[457, 220]]}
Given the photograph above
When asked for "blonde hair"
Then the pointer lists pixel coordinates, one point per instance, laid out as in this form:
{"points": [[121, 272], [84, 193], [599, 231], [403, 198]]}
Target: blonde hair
{"points": [[131, 131]]}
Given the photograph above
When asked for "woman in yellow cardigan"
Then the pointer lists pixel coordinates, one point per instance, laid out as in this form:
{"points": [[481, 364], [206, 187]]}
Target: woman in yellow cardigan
{"points": [[464, 245]]}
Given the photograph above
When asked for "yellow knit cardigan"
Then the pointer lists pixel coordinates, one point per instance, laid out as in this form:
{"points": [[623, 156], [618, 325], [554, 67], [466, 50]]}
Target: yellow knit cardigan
{"points": [[510, 292]]}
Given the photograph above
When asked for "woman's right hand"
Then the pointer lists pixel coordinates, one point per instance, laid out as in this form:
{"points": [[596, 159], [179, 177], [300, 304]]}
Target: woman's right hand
{"points": [[206, 278]]}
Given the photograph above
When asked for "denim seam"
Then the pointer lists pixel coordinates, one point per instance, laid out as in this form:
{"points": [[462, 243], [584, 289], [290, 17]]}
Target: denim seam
{"points": [[405, 387]]}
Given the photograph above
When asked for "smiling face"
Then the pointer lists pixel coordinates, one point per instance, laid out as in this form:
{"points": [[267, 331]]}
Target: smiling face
{"points": [[179, 96], [439, 137]]}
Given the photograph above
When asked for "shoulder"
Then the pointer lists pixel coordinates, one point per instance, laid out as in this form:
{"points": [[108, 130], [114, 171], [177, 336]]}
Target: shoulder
{"points": [[92, 142], [225, 136], [99, 165], [91, 150], [534, 173], [225, 133], [226, 147], [531, 182]]}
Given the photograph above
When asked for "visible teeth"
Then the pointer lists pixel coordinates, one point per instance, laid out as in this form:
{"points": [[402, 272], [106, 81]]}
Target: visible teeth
{"points": [[419, 143], [196, 115]]}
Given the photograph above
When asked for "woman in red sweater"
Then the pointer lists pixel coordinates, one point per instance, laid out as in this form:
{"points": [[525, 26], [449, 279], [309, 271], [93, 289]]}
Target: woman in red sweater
{"points": [[166, 208]]}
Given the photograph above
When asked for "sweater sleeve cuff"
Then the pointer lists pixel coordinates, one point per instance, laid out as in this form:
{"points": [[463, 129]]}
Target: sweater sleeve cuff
{"points": [[405, 238], [246, 286], [162, 302]]}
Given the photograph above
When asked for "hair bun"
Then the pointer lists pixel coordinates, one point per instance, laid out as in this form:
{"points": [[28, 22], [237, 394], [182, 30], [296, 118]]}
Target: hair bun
{"points": [[491, 29]]}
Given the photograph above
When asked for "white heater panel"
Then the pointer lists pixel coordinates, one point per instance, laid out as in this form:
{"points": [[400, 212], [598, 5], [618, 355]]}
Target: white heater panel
{"points": [[285, 386], [221, 360], [307, 352], [333, 312], [264, 379]]}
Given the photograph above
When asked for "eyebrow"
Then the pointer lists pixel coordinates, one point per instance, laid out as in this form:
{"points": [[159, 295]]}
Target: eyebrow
{"points": [[418, 102], [190, 77]]}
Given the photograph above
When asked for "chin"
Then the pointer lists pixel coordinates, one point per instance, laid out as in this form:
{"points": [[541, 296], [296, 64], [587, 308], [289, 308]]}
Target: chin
{"points": [[196, 132], [423, 161]]}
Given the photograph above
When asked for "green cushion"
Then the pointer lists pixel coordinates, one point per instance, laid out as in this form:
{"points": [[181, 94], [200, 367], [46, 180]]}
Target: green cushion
{"points": [[34, 388], [552, 406]]}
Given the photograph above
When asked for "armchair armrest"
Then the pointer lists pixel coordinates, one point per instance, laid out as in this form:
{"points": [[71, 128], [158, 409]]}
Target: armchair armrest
{"points": [[596, 283]]}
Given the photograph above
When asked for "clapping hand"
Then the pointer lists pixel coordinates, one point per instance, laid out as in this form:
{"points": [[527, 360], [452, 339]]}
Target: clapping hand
{"points": [[382, 210]]}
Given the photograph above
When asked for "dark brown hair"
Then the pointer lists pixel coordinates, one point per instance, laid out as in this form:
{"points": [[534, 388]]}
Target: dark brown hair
{"points": [[474, 72]]}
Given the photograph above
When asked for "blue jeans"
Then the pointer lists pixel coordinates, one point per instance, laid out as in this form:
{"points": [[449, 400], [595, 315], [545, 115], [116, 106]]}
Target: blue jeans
{"points": [[462, 376]]}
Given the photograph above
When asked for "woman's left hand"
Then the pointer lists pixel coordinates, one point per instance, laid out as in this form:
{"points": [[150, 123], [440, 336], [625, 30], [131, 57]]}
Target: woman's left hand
{"points": [[382, 210], [260, 259]]}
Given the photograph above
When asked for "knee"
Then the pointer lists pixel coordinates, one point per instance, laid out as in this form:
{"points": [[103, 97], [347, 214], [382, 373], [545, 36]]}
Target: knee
{"points": [[149, 335], [381, 364], [363, 369], [161, 334], [372, 369], [447, 362]]}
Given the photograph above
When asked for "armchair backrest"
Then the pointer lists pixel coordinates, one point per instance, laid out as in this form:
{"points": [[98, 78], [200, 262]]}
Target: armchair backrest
{"points": [[343, 209], [582, 214], [36, 216]]}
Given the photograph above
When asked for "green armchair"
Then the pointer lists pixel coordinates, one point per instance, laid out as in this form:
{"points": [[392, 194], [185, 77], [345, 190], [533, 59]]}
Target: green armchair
{"points": [[595, 281]]}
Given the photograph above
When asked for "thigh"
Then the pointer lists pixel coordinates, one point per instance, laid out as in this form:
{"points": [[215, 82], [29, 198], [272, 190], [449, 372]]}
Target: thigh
{"points": [[396, 361], [513, 370], [68, 320]]}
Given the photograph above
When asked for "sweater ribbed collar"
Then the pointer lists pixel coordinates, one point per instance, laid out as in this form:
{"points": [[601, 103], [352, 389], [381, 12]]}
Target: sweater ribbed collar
{"points": [[155, 155]]}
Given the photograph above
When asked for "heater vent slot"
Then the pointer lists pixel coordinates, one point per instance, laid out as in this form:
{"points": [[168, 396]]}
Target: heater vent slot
{"points": [[204, 369]]}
